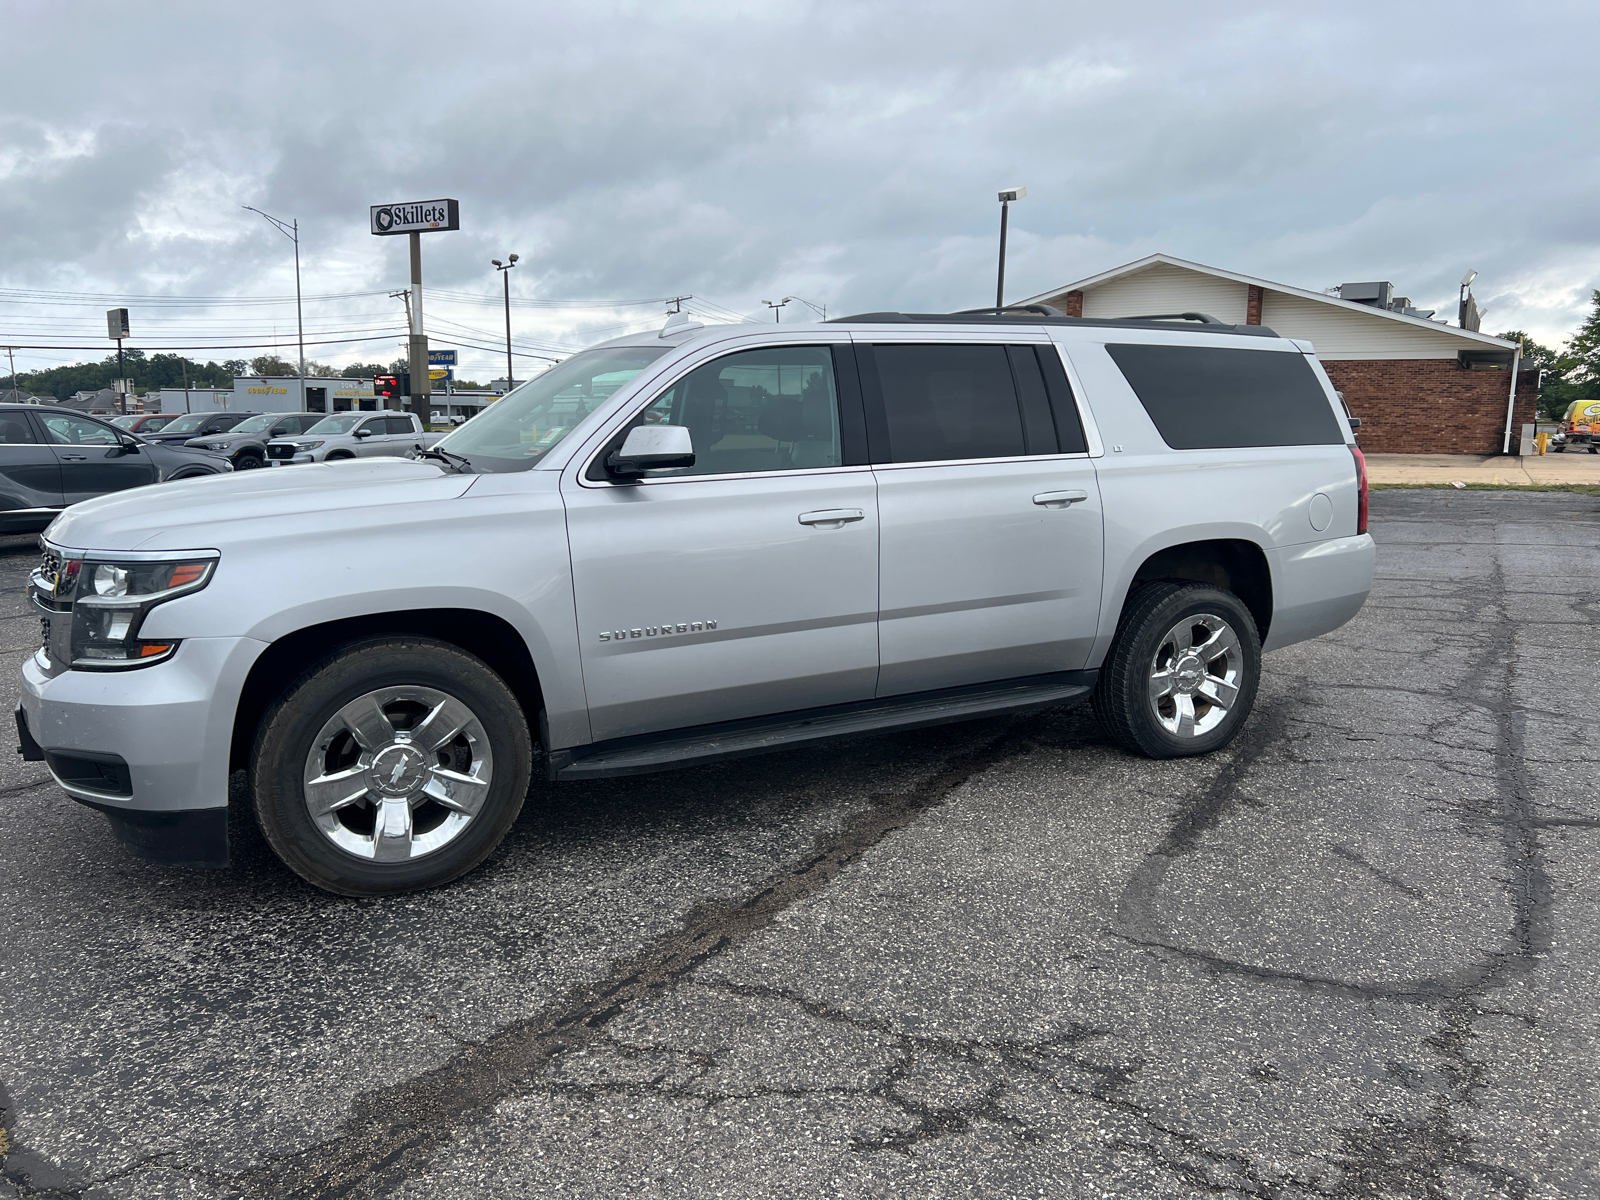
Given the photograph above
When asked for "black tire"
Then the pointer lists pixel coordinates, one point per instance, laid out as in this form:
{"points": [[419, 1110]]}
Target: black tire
{"points": [[297, 724], [247, 462], [1122, 696], [338, 456]]}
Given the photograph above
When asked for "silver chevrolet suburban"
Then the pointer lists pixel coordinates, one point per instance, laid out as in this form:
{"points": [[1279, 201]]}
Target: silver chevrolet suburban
{"points": [[705, 542]]}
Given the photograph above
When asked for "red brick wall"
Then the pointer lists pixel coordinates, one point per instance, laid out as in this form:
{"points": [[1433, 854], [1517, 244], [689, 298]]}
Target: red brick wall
{"points": [[1431, 405], [1252, 304], [1074, 304]]}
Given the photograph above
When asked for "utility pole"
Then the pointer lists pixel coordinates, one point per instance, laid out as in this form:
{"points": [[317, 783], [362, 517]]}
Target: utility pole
{"points": [[505, 276], [11, 353]]}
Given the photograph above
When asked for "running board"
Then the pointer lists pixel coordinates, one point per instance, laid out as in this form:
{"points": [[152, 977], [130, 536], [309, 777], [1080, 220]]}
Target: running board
{"points": [[759, 735]]}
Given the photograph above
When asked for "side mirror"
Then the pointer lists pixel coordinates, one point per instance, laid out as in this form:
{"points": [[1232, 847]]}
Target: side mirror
{"points": [[650, 448], [363, 432], [129, 445]]}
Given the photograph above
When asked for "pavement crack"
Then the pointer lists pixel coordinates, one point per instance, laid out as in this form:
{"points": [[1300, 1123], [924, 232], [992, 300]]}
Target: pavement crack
{"points": [[1377, 873]]}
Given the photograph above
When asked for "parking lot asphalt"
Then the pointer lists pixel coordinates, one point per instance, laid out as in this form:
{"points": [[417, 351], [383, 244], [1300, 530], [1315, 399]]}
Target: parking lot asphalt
{"points": [[1355, 954]]}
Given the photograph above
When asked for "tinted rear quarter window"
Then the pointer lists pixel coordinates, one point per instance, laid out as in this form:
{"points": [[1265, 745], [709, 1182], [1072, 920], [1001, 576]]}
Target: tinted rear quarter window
{"points": [[1206, 398]]}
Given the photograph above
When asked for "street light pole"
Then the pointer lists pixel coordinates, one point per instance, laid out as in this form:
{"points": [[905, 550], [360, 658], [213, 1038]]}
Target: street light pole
{"points": [[777, 308], [505, 277], [291, 230], [1006, 197]]}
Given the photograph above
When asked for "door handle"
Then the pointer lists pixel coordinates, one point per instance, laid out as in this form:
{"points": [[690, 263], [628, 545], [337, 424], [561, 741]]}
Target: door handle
{"points": [[74, 458], [832, 517], [1059, 499]]}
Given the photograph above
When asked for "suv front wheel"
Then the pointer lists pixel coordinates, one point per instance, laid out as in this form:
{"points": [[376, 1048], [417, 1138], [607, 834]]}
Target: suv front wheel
{"points": [[395, 764], [1182, 674]]}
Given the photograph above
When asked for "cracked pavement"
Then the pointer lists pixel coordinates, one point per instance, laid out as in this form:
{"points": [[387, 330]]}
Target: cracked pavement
{"points": [[1356, 954]]}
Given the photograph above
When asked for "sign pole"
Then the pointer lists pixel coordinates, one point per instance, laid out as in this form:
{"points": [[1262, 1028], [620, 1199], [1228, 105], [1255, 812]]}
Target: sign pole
{"points": [[122, 381], [420, 384]]}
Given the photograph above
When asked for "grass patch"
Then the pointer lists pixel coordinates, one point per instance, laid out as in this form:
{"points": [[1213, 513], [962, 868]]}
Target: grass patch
{"points": [[1580, 489]]}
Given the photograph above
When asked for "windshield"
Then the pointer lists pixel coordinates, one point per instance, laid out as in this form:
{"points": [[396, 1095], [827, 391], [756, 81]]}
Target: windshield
{"points": [[256, 424], [124, 422], [343, 423], [519, 429], [187, 424]]}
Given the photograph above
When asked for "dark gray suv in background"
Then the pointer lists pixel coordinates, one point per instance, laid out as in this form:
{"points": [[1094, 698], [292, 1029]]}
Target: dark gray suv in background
{"points": [[52, 458], [246, 443]]}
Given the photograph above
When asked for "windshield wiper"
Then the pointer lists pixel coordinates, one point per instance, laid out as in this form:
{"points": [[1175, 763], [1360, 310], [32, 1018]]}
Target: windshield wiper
{"points": [[448, 457]]}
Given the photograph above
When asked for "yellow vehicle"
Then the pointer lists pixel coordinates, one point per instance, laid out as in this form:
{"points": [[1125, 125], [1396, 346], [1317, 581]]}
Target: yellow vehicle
{"points": [[1580, 426]]}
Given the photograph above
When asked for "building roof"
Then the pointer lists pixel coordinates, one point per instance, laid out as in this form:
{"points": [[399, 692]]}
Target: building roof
{"points": [[1475, 340]]}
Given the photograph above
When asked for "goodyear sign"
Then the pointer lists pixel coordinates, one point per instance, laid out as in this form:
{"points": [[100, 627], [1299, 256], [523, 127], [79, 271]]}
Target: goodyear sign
{"points": [[415, 216], [441, 358]]}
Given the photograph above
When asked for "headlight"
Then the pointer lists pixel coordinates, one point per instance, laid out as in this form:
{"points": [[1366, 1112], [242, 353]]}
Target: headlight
{"points": [[112, 600], [307, 445], [219, 446]]}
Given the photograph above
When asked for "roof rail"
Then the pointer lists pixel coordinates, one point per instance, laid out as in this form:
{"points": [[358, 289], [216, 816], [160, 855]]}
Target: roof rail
{"points": [[1041, 310], [1203, 318], [1030, 314]]}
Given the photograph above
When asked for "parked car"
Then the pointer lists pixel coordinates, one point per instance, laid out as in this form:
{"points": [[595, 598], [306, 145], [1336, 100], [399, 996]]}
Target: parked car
{"points": [[51, 458], [353, 435], [246, 443], [702, 543], [144, 423], [193, 425]]}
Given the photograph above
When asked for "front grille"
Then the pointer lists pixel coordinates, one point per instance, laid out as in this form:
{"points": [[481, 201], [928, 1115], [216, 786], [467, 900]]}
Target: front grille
{"points": [[280, 451]]}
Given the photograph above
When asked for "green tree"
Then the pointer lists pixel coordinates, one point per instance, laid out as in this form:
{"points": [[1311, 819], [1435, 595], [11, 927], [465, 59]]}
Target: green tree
{"points": [[364, 370], [1571, 373], [1553, 398], [271, 366]]}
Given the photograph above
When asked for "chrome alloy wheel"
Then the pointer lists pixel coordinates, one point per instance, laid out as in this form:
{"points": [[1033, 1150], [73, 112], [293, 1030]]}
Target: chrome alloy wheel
{"points": [[398, 773], [1194, 679]]}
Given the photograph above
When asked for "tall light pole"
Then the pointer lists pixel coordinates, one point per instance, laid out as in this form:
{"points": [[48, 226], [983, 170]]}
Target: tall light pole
{"points": [[291, 231], [505, 276], [777, 308], [1006, 197]]}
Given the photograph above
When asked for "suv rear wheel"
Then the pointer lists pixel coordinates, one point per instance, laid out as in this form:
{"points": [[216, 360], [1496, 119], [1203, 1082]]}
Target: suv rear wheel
{"points": [[1182, 674], [395, 764]]}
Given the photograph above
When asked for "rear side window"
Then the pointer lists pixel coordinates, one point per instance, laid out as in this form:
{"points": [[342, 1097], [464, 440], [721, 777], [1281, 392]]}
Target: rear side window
{"points": [[1206, 398], [400, 425], [948, 402]]}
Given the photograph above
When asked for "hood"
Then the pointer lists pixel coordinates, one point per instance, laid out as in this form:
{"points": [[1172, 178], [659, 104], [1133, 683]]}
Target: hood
{"points": [[206, 513], [210, 439]]}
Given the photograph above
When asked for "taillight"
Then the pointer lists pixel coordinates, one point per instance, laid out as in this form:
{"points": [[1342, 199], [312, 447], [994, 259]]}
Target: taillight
{"points": [[1361, 483]]}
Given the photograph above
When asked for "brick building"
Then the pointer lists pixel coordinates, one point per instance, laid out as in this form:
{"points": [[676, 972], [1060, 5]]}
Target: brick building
{"points": [[1420, 386]]}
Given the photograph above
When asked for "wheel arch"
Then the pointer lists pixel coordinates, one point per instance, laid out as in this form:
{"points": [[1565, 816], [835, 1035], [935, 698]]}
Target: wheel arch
{"points": [[487, 636], [1237, 565]]}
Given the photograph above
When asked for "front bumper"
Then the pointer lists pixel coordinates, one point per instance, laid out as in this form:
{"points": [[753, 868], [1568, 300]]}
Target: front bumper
{"points": [[170, 726]]}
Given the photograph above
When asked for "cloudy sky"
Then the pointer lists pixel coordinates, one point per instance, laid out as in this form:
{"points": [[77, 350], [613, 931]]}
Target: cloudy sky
{"points": [[847, 153]]}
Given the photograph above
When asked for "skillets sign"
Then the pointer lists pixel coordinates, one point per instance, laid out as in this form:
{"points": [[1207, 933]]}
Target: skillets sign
{"points": [[416, 216]]}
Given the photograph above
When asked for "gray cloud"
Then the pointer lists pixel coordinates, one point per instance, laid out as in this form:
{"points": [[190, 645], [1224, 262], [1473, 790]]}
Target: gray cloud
{"points": [[849, 154]]}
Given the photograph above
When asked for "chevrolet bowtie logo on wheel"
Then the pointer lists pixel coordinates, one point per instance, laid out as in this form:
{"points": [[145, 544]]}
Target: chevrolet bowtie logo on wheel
{"points": [[416, 216]]}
